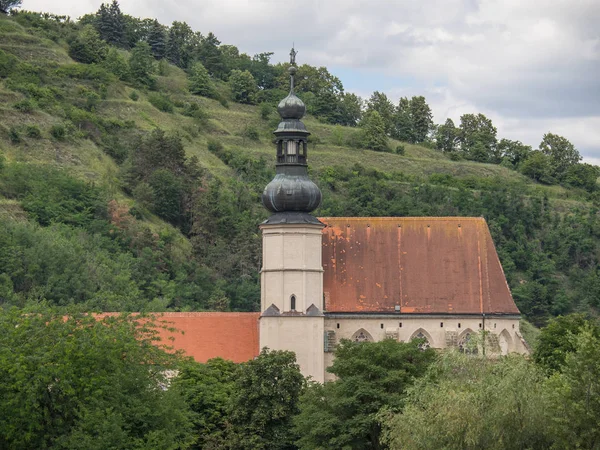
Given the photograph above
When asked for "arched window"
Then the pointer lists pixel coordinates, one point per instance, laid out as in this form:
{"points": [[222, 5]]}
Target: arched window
{"points": [[467, 346], [425, 343], [293, 303], [362, 336]]}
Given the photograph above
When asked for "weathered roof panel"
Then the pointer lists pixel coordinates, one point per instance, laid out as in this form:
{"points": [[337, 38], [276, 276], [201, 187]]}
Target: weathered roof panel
{"points": [[421, 264]]}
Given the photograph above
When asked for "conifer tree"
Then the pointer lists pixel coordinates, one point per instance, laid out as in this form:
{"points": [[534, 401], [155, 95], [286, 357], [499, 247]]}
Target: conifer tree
{"points": [[421, 118], [111, 24], [374, 136], [141, 65], [403, 125], [157, 39], [210, 55], [180, 44]]}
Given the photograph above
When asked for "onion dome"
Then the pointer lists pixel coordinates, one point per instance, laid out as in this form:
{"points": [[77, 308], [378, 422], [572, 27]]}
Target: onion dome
{"points": [[291, 107], [291, 193]]}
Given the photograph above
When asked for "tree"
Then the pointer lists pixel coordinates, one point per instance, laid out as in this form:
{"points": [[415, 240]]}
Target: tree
{"points": [[445, 138], [200, 82], [141, 65], [561, 152], [263, 72], [380, 103], [111, 24], [265, 399], [477, 137], [575, 398], [403, 124], [514, 152], [116, 63], [468, 403], [557, 340], [157, 39], [210, 56], [87, 47], [243, 87], [537, 166], [373, 134], [351, 106], [7, 5], [370, 376], [584, 176], [207, 389], [79, 382], [181, 44], [421, 118]]}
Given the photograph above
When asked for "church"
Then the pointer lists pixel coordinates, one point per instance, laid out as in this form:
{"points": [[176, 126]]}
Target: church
{"points": [[438, 279]]}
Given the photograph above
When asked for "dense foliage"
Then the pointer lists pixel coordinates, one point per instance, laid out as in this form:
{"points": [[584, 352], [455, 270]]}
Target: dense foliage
{"points": [[76, 382]]}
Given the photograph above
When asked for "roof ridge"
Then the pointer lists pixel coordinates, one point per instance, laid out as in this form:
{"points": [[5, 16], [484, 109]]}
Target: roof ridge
{"points": [[406, 218]]}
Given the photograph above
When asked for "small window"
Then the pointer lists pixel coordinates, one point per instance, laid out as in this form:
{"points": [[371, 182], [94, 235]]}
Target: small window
{"points": [[400, 325], [441, 324], [479, 325], [293, 303], [513, 326], [459, 325], [338, 325], [382, 326], [494, 325]]}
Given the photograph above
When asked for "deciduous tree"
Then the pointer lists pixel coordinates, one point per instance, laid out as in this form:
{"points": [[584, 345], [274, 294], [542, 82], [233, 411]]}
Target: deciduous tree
{"points": [[561, 152]]}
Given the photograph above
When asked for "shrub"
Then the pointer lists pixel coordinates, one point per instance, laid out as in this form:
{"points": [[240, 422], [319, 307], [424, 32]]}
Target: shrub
{"points": [[455, 156], [194, 110], [87, 47], [161, 102], [26, 106], [243, 86], [8, 63], [251, 132], [58, 132], [215, 146], [400, 150], [13, 135], [265, 111], [33, 131], [134, 96]]}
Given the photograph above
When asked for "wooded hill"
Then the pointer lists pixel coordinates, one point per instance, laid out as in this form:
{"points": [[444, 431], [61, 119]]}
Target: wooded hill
{"points": [[134, 155]]}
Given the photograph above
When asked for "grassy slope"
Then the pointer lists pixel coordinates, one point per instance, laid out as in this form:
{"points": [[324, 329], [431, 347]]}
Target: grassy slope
{"points": [[225, 124]]}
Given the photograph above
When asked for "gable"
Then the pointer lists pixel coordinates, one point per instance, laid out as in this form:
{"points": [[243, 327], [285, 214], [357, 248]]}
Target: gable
{"points": [[443, 265]]}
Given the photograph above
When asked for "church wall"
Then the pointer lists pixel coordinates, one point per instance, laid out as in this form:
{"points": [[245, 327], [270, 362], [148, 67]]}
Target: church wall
{"points": [[441, 331], [300, 334]]}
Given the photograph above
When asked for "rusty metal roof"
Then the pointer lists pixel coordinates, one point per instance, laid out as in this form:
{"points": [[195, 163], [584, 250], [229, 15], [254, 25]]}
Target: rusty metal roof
{"points": [[437, 265]]}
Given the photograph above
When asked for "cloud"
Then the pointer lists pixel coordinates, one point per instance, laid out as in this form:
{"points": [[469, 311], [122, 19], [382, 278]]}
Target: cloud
{"points": [[530, 66]]}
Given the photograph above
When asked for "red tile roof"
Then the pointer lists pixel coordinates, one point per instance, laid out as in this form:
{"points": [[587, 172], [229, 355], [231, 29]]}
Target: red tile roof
{"points": [[206, 335], [422, 264]]}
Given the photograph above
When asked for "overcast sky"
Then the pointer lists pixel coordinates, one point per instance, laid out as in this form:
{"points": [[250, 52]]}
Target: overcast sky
{"points": [[531, 66]]}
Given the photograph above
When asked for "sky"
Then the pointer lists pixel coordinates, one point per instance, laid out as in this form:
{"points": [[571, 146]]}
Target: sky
{"points": [[532, 66]]}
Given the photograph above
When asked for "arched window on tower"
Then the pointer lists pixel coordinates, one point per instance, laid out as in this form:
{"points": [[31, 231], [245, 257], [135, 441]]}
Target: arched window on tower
{"points": [[293, 303]]}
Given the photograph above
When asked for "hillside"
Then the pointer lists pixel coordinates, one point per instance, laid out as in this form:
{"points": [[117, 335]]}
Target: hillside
{"points": [[88, 220]]}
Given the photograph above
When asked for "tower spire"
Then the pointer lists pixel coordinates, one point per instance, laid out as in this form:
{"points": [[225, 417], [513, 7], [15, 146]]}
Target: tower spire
{"points": [[291, 195]]}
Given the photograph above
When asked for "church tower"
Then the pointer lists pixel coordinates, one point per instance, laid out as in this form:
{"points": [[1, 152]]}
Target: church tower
{"points": [[292, 273]]}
